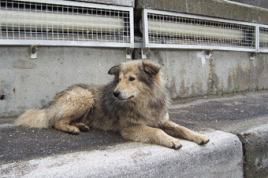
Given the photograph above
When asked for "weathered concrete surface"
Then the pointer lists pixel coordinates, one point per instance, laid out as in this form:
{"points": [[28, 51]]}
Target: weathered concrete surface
{"points": [[222, 157], [193, 73], [18, 143], [259, 3], [26, 83], [255, 143], [212, 8], [130, 3]]}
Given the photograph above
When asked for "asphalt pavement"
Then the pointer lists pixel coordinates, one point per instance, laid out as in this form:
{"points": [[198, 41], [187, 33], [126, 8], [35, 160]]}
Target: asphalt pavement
{"points": [[236, 124]]}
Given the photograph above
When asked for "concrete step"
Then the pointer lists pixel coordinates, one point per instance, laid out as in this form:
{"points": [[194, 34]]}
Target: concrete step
{"points": [[222, 157]]}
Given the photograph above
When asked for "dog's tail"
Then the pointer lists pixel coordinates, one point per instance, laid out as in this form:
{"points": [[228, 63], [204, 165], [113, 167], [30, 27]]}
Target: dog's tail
{"points": [[33, 118]]}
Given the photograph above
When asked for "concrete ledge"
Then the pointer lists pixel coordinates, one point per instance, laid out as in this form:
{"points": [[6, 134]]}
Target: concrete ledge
{"points": [[255, 151], [213, 8], [221, 157]]}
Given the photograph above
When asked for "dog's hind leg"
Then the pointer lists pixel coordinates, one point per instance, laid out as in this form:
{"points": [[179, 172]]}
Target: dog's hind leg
{"points": [[64, 125], [147, 134], [69, 106], [176, 130], [82, 127]]}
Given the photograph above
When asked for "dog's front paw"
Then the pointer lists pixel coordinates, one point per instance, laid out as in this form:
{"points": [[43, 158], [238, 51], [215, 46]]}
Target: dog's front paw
{"points": [[176, 145], [172, 143], [201, 139]]}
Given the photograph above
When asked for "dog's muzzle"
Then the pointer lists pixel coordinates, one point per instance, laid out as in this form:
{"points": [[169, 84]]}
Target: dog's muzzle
{"points": [[119, 95]]}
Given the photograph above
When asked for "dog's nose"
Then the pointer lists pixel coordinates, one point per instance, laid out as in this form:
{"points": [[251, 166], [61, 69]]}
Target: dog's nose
{"points": [[116, 93]]}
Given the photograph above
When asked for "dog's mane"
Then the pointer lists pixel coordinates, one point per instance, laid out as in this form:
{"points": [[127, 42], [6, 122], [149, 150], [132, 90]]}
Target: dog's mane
{"points": [[153, 105]]}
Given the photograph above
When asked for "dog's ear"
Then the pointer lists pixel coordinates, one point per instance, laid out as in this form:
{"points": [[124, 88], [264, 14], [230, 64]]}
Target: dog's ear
{"points": [[150, 68], [114, 70]]}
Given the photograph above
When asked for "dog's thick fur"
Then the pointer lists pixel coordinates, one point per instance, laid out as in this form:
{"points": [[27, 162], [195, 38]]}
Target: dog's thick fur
{"points": [[133, 104]]}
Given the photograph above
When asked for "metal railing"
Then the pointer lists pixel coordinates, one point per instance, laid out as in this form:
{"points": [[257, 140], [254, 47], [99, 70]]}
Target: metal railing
{"points": [[163, 29], [65, 23]]}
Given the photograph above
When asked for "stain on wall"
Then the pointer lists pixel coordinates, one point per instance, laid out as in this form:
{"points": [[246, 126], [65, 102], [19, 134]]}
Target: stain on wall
{"points": [[213, 81], [190, 73], [23, 64]]}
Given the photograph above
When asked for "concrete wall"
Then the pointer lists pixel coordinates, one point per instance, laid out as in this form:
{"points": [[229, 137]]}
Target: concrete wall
{"points": [[26, 83], [193, 73], [211, 8], [258, 3], [129, 3]]}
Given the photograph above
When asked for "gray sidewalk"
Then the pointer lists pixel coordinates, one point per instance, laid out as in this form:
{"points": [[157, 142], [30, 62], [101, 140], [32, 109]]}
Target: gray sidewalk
{"points": [[237, 126]]}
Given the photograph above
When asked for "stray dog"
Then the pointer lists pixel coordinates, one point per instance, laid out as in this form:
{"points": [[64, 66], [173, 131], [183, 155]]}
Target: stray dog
{"points": [[134, 104]]}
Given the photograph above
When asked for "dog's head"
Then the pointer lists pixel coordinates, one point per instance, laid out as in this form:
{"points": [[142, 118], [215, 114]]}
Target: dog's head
{"points": [[135, 79]]}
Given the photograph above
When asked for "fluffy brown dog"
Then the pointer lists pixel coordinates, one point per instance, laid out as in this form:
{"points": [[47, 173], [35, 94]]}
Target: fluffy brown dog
{"points": [[134, 104]]}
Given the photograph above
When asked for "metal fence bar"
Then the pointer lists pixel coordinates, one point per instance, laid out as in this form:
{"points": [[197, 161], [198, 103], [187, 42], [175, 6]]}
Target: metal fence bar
{"points": [[145, 29], [257, 40], [263, 38]]}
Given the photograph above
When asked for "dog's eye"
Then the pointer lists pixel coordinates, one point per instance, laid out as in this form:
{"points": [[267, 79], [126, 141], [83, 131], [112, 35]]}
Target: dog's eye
{"points": [[131, 78]]}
